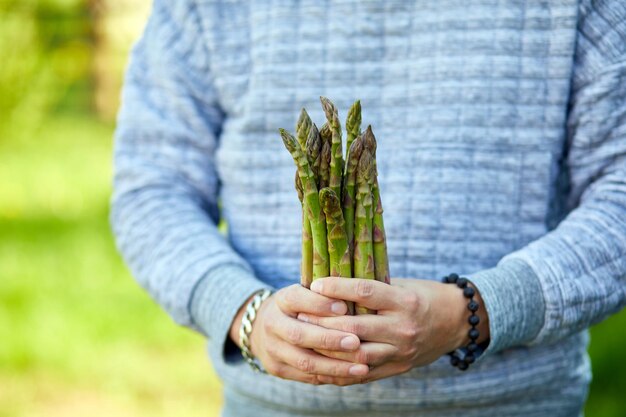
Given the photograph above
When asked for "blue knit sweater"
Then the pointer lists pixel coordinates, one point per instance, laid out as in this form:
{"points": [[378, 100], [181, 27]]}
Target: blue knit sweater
{"points": [[502, 155]]}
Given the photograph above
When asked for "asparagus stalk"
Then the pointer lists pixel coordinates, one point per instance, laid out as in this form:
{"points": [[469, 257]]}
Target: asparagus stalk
{"points": [[303, 128], [336, 154], [353, 126], [337, 240], [312, 205], [339, 253], [306, 265], [381, 260], [349, 190], [363, 247], [324, 170]]}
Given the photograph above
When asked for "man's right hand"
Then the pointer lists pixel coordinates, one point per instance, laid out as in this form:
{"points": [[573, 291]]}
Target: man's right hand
{"points": [[285, 345]]}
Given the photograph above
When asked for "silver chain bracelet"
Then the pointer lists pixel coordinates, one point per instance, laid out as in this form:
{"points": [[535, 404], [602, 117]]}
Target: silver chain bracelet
{"points": [[246, 328]]}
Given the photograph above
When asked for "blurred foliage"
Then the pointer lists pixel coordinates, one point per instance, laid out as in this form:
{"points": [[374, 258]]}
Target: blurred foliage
{"points": [[78, 337], [46, 48]]}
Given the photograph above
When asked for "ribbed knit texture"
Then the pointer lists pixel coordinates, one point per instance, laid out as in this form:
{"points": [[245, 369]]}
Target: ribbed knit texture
{"points": [[496, 122]]}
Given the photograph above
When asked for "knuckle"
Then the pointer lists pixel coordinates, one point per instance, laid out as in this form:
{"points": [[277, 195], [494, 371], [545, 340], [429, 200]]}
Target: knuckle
{"points": [[290, 296], [271, 350], [364, 288], [410, 352], [268, 326], [327, 341], [411, 300], [305, 364], [363, 357], [354, 327], [313, 380], [294, 335], [409, 331]]}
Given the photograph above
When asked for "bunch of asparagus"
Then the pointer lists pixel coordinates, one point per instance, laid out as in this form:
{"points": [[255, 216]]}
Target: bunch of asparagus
{"points": [[343, 233]]}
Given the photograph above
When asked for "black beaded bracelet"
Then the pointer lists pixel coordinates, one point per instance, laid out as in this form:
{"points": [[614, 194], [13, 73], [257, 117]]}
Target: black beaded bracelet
{"points": [[463, 357]]}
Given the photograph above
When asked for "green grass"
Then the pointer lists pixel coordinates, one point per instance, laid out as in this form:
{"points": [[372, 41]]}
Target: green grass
{"points": [[79, 337]]}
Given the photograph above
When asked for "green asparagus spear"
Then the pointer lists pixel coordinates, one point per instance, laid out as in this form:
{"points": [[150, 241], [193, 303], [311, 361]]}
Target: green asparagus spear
{"points": [[324, 170], [336, 154], [313, 149], [381, 259], [298, 183], [349, 189], [353, 126], [337, 240], [306, 265], [363, 247], [303, 126], [326, 134], [312, 205], [338, 250]]}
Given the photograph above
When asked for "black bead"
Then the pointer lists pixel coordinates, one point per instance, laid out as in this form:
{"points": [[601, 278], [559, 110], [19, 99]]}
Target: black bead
{"points": [[473, 334], [454, 360], [461, 282], [472, 347], [469, 358], [473, 320], [462, 366], [452, 278], [468, 292], [472, 306]]}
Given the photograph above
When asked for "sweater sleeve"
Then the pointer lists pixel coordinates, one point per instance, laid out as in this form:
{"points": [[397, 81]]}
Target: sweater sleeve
{"points": [[575, 275], [165, 201]]}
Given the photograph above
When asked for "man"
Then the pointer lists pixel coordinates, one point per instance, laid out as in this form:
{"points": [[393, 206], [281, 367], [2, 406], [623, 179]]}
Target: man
{"points": [[496, 121]]}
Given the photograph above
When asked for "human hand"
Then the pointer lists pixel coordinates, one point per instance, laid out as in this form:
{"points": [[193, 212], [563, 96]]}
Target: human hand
{"points": [[417, 322], [285, 346]]}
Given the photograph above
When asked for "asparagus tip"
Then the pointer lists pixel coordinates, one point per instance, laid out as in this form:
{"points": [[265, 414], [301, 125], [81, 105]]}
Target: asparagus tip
{"points": [[288, 139], [369, 140]]}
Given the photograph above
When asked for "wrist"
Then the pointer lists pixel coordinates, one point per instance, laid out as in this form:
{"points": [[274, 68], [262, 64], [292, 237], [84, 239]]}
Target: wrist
{"points": [[466, 352], [459, 316]]}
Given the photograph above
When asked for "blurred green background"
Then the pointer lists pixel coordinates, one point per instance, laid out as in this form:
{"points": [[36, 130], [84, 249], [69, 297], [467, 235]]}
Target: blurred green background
{"points": [[77, 335]]}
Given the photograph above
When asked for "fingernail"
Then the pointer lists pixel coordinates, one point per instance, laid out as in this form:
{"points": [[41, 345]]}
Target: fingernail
{"points": [[303, 317], [349, 343], [316, 286], [358, 370], [339, 307]]}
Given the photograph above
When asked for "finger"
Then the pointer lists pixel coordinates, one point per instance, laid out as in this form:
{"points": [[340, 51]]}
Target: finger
{"points": [[372, 354], [309, 362], [284, 371], [369, 293], [296, 298], [368, 327], [384, 371], [306, 335]]}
